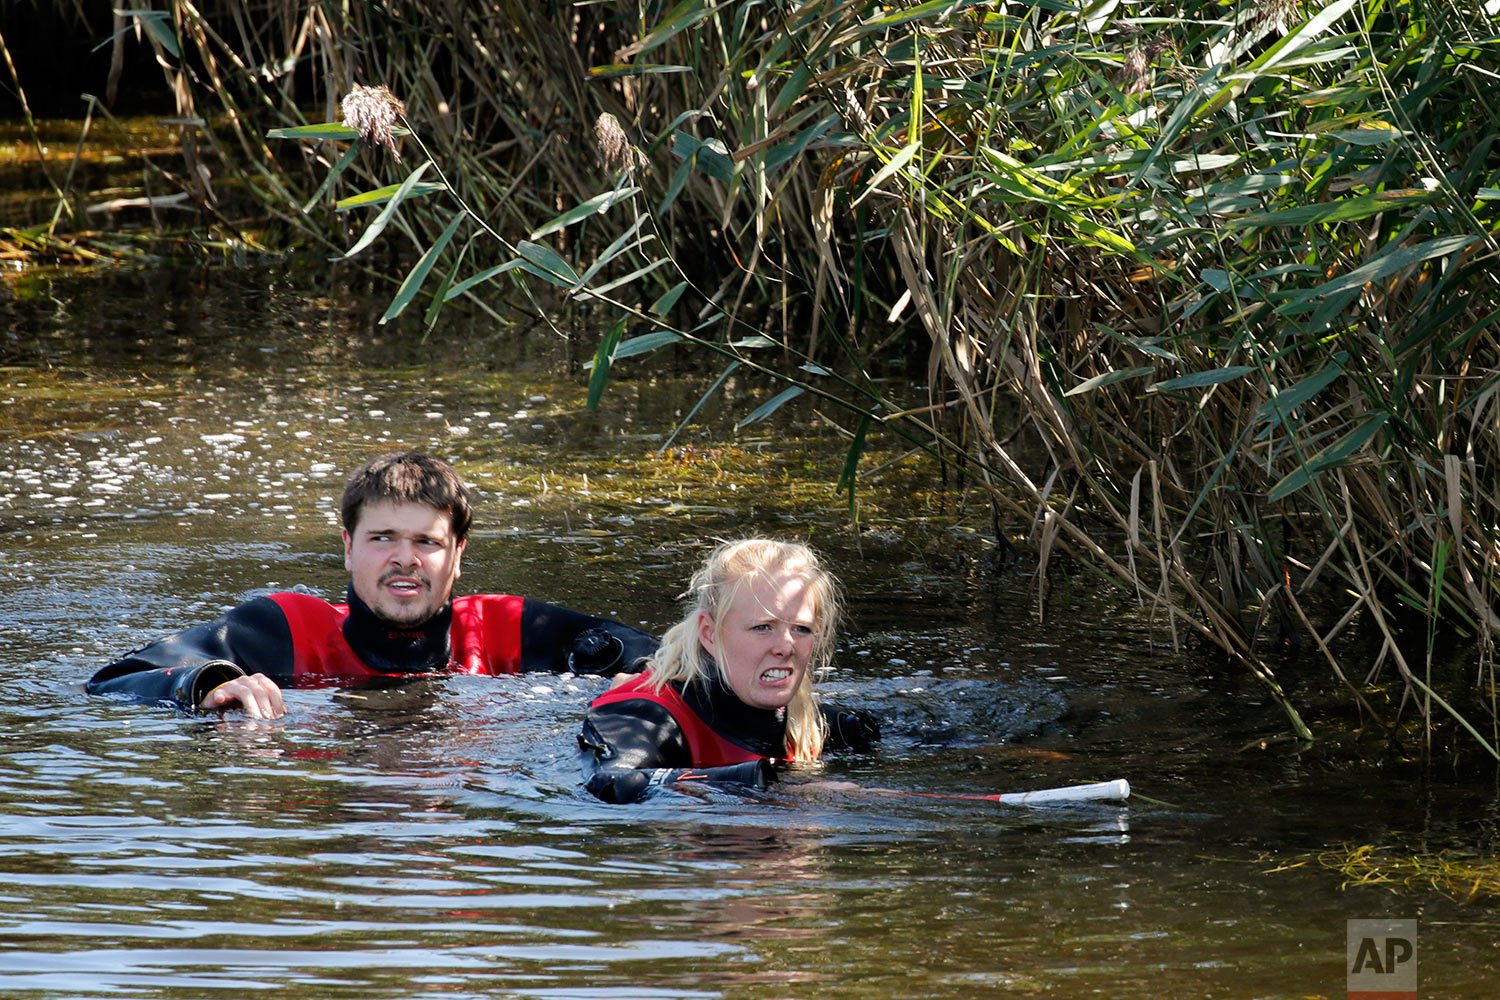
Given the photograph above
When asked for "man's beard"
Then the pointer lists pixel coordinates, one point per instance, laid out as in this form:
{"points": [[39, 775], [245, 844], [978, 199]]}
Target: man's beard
{"points": [[415, 616]]}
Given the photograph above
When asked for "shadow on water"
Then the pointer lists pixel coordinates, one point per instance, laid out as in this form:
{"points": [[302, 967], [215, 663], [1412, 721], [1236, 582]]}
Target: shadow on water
{"points": [[173, 443]]}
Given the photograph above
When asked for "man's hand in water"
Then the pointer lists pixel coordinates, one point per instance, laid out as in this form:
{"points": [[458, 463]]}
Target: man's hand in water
{"points": [[257, 694]]}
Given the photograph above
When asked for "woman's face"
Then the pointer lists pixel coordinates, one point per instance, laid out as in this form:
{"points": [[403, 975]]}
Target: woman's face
{"points": [[764, 639]]}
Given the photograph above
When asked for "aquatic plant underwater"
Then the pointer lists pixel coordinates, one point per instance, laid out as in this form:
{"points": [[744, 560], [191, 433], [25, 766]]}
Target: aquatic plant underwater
{"points": [[1202, 294]]}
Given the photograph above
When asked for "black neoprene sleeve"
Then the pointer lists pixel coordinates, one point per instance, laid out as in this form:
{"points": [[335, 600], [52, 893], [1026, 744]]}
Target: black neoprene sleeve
{"points": [[557, 640], [181, 668], [636, 745]]}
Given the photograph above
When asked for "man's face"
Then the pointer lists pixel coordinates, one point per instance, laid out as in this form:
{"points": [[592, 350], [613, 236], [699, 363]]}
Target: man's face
{"points": [[403, 559]]}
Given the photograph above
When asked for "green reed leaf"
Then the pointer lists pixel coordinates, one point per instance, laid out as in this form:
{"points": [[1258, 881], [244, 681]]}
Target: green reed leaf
{"points": [[1330, 457], [482, 276], [669, 298], [645, 343], [602, 358], [333, 175], [613, 70], [383, 219], [770, 406], [155, 21], [158, 24], [676, 21], [708, 155], [381, 195], [932, 8], [698, 406], [1278, 409], [1108, 378], [1344, 210], [1387, 264], [1302, 35], [626, 279], [597, 205], [440, 295], [901, 159], [1198, 380], [322, 130], [546, 264], [419, 272]]}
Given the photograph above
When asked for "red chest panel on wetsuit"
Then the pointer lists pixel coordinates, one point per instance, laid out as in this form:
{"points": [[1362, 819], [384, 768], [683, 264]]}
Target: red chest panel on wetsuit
{"points": [[485, 637], [708, 748]]}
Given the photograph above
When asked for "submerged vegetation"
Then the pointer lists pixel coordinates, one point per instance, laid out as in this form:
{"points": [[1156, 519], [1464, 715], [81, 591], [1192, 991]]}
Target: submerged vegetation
{"points": [[1203, 294], [1461, 876]]}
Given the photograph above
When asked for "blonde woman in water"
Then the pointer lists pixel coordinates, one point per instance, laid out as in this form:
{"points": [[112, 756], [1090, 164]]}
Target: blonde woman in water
{"points": [[731, 688]]}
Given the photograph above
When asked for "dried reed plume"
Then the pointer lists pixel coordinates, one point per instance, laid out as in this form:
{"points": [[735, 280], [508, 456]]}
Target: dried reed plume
{"points": [[371, 111], [1135, 72], [1279, 12], [614, 146]]}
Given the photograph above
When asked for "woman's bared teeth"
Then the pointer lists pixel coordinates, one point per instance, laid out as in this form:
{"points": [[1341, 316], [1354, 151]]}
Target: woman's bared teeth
{"points": [[776, 674]]}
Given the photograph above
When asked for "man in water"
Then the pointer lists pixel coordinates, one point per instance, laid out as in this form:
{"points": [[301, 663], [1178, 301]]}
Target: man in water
{"points": [[406, 520]]}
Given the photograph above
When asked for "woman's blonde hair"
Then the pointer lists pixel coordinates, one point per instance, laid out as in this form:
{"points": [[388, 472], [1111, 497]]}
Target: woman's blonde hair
{"points": [[712, 589]]}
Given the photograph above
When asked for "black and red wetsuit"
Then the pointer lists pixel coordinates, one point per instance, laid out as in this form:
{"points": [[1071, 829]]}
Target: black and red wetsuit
{"points": [[299, 640], [637, 737]]}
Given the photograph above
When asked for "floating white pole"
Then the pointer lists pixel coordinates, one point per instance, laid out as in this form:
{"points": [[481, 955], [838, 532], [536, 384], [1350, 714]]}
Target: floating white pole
{"points": [[1100, 791]]}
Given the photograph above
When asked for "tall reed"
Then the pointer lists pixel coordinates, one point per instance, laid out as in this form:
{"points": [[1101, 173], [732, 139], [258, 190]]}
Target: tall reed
{"points": [[1227, 266]]}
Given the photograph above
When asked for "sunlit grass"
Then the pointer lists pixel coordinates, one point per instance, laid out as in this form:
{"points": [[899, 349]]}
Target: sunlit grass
{"points": [[791, 475], [1459, 875]]}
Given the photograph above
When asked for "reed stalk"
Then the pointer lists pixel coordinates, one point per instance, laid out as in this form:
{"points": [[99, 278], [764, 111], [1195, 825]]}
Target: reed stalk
{"points": [[1205, 292]]}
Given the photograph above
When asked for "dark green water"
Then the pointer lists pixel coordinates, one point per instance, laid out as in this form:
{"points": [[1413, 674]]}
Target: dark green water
{"points": [[173, 442]]}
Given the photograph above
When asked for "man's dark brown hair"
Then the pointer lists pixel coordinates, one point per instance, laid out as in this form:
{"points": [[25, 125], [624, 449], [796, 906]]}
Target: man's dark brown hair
{"points": [[409, 477]]}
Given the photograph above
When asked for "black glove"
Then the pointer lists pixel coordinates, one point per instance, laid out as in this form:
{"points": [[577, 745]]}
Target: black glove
{"points": [[595, 651], [851, 729], [632, 786]]}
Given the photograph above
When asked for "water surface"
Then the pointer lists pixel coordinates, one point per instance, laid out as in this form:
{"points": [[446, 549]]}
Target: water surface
{"points": [[173, 443]]}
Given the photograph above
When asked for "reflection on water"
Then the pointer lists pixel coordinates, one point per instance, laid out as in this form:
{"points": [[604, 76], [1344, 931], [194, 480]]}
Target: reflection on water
{"points": [[434, 841]]}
